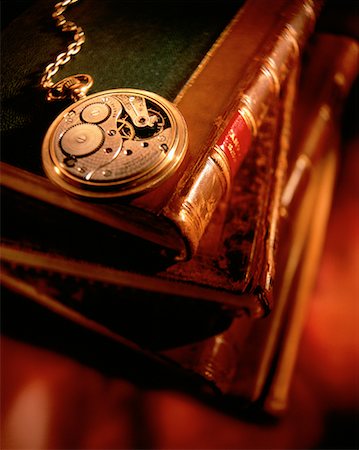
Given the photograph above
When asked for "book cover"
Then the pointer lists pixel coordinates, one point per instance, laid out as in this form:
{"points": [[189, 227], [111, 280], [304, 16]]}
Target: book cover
{"points": [[175, 214]]}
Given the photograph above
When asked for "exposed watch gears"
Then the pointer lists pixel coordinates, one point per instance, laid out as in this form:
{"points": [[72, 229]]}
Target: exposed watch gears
{"points": [[115, 143]]}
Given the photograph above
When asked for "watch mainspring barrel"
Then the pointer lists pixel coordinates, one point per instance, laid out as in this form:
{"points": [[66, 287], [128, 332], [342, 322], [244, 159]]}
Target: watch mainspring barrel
{"points": [[115, 143]]}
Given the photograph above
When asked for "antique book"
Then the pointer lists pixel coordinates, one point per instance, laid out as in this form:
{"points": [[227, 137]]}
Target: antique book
{"points": [[244, 358], [234, 265], [221, 122]]}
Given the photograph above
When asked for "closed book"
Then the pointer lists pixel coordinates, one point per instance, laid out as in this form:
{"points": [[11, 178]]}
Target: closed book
{"points": [[224, 98], [232, 271]]}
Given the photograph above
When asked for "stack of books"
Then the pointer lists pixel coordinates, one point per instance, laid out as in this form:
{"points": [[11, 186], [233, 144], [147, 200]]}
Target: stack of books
{"points": [[208, 274]]}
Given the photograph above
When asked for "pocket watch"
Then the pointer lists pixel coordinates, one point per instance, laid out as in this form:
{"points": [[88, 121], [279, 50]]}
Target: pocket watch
{"points": [[114, 143]]}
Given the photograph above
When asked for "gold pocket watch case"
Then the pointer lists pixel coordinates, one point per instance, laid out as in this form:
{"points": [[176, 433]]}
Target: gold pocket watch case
{"points": [[115, 143]]}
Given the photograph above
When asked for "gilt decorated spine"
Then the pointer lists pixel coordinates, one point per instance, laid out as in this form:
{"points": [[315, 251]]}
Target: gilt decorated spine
{"points": [[192, 205], [224, 103]]}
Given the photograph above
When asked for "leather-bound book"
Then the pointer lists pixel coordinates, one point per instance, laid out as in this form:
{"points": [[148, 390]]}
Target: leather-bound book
{"points": [[197, 317], [224, 70], [232, 271]]}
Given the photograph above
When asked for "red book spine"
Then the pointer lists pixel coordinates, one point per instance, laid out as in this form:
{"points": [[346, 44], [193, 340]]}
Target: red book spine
{"points": [[199, 191], [235, 141]]}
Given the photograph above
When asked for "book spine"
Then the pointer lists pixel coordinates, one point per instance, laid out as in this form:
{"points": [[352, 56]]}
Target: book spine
{"points": [[192, 206]]}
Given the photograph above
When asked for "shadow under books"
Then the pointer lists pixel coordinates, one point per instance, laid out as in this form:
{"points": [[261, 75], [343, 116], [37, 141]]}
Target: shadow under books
{"points": [[29, 322]]}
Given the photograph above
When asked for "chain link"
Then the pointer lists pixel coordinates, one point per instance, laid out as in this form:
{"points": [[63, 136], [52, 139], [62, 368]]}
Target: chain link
{"points": [[74, 86]]}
